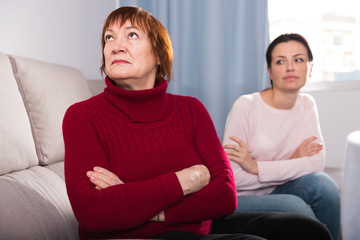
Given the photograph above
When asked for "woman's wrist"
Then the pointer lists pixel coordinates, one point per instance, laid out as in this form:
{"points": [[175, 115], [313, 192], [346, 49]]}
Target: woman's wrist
{"points": [[161, 216], [185, 185], [193, 179]]}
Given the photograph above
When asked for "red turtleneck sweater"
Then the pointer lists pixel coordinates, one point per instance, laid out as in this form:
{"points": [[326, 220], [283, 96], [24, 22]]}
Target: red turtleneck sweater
{"points": [[143, 137]]}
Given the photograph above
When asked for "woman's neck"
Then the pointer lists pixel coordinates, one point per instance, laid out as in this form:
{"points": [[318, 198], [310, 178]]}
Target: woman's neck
{"points": [[147, 105], [278, 99], [134, 84]]}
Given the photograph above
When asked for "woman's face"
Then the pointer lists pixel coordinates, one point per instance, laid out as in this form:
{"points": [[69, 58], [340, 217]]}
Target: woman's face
{"points": [[290, 66], [129, 59]]}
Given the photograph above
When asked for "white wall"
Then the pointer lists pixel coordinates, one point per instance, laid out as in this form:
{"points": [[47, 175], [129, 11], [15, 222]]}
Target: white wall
{"points": [[66, 32], [339, 113]]}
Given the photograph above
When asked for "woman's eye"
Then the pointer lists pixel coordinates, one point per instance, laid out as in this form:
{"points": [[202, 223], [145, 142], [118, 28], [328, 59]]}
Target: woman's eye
{"points": [[299, 60], [108, 38], [133, 35], [279, 62]]}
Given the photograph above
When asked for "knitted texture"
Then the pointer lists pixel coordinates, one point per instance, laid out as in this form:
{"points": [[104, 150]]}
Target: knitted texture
{"points": [[143, 137]]}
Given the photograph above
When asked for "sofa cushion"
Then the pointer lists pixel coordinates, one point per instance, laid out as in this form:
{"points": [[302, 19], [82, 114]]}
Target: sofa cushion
{"points": [[34, 205], [48, 90], [57, 168], [16, 142]]}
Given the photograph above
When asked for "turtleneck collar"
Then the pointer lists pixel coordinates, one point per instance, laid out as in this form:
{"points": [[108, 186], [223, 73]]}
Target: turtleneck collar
{"points": [[139, 105]]}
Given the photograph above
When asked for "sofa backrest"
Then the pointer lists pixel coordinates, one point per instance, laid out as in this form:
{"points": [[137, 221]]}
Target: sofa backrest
{"points": [[16, 143], [34, 96]]}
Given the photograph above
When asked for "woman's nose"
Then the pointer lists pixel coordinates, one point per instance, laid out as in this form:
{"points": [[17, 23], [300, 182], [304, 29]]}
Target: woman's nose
{"points": [[290, 66], [120, 46]]}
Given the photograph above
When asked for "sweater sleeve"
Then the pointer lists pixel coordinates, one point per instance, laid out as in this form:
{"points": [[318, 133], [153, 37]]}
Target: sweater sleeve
{"points": [[237, 124], [289, 169], [218, 198], [118, 207]]}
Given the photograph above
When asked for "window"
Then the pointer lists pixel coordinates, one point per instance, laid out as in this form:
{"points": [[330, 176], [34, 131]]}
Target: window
{"points": [[337, 41], [332, 29]]}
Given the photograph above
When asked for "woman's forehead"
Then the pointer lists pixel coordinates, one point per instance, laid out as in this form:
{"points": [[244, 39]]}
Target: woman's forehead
{"points": [[289, 47], [129, 22]]}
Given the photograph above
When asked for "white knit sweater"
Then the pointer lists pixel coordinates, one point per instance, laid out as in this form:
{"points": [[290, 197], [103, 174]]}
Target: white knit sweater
{"points": [[272, 136]]}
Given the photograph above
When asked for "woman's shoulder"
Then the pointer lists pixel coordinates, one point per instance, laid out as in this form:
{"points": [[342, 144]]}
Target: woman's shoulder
{"points": [[247, 99], [188, 104], [85, 105], [306, 99], [181, 99]]}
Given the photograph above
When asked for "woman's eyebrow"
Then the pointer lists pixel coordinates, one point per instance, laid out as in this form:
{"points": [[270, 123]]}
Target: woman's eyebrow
{"points": [[109, 30], [132, 27], [295, 55], [299, 54], [127, 28]]}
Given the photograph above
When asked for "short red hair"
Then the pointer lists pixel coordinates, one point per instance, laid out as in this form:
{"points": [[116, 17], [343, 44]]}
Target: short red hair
{"points": [[157, 33]]}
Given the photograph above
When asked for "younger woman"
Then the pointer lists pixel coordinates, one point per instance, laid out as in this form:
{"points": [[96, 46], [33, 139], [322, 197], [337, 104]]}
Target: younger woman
{"points": [[275, 145]]}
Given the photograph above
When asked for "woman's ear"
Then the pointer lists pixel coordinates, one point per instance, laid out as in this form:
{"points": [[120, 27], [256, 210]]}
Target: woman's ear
{"points": [[269, 71], [271, 81], [310, 70], [157, 61]]}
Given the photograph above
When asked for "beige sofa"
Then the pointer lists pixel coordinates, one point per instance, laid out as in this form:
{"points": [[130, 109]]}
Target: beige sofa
{"points": [[34, 96]]}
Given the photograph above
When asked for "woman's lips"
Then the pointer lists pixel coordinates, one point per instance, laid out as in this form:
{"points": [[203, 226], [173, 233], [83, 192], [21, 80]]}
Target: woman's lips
{"points": [[290, 78], [120, 61]]}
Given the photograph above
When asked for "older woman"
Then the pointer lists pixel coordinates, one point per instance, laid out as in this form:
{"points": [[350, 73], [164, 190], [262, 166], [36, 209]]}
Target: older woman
{"points": [[275, 145], [143, 163]]}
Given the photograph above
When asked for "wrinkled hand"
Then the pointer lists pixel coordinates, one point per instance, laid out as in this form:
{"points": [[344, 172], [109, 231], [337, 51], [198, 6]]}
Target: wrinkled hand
{"points": [[240, 154], [160, 217], [308, 148], [103, 178], [194, 178]]}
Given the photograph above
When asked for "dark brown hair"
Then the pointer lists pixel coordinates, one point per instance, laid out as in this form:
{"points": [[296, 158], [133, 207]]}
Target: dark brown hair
{"points": [[286, 38]]}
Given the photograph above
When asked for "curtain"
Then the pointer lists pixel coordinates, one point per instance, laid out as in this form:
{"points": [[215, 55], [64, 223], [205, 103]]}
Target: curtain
{"points": [[219, 49]]}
